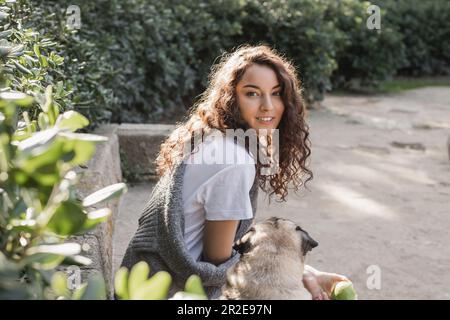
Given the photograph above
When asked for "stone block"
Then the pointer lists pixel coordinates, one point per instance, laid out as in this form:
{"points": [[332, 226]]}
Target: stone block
{"points": [[140, 143]]}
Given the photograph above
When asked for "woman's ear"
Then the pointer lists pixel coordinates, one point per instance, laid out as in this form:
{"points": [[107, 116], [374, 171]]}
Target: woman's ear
{"points": [[244, 244]]}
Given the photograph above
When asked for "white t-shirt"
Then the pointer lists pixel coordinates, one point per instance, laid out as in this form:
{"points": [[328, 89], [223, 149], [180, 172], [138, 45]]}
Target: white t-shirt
{"points": [[216, 191]]}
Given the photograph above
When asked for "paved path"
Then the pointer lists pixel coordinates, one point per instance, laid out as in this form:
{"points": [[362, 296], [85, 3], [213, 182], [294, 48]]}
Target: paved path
{"points": [[373, 202]]}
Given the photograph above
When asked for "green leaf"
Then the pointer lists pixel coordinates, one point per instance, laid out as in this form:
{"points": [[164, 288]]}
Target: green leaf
{"points": [[22, 68], [50, 256], [194, 285], [6, 34], [16, 51], [99, 215], [3, 15], [72, 120], [59, 284], [64, 249], [39, 160], [47, 175], [79, 292], [36, 50], [19, 98], [77, 151], [121, 283], [155, 288], [19, 177], [23, 225], [68, 219], [96, 289], [21, 135], [95, 217], [44, 261], [43, 61], [43, 121], [105, 194], [4, 51], [38, 140], [48, 99], [55, 111], [138, 275]]}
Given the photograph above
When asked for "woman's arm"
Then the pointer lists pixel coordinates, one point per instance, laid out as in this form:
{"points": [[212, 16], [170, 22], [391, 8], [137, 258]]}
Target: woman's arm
{"points": [[218, 239]]}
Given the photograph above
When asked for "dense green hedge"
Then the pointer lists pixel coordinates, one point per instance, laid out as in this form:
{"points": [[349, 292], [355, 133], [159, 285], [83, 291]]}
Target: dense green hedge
{"points": [[425, 33], [300, 31], [364, 56], [147, 60], [37, 50]]}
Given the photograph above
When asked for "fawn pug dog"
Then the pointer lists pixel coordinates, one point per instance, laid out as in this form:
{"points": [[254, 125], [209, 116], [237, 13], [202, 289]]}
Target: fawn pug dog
{"points": [[271, 264]]}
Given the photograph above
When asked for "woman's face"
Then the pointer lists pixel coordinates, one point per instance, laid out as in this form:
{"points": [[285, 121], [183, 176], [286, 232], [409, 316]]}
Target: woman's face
{"points": [[259, 98]]}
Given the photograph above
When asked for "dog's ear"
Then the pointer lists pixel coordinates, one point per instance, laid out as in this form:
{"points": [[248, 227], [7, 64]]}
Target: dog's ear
{"points": [[243, 245], [308, 243]]}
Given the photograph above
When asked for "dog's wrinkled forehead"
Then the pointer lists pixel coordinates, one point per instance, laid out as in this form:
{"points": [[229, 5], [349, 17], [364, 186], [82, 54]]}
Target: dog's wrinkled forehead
{"points": [[275, 231], [307, 242], [280, 222]]}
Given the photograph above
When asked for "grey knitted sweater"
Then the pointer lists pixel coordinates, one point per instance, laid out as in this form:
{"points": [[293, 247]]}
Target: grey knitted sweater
{"points": [[159, 239]]}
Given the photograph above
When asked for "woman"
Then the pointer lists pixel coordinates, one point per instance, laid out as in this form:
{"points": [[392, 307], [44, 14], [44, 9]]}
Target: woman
{"points": [[198, 210]]}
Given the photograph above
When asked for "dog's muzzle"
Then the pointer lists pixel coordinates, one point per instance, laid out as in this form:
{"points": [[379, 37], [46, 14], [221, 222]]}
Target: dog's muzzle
{"points": [[308, 243]]}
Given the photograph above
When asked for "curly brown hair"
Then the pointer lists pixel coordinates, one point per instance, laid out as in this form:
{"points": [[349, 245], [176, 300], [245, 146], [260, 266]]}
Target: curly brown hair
{"points": [[217, 109]]}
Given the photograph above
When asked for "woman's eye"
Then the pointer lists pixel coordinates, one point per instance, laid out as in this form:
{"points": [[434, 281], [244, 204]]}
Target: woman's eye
{"points": [[277, 93], [251, 94]]}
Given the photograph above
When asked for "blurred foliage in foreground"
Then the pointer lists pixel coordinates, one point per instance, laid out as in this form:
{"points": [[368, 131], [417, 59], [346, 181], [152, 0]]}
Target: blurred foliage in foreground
{"points": [[135, 285], [39, 207], [40, 210]]}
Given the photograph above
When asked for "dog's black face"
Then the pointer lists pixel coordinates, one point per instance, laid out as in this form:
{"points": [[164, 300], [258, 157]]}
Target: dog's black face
{"points": [[245, 244]]}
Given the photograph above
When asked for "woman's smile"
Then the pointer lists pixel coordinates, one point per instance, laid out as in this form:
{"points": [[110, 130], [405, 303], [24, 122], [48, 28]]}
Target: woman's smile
{"points": [[266, 120]]}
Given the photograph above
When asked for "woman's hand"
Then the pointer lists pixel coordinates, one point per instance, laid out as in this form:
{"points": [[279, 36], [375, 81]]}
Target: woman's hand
{"points": [[319, 283]]}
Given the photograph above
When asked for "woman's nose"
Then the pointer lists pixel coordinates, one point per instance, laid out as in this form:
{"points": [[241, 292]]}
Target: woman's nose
{"points": [[267, 103]]}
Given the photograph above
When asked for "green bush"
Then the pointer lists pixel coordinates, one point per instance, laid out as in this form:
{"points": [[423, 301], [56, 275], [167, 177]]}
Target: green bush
{"points": [[425, 32], [29, 60], [364, 57], [300, 31], [160, 52], [148, 60], [38, 50]]}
